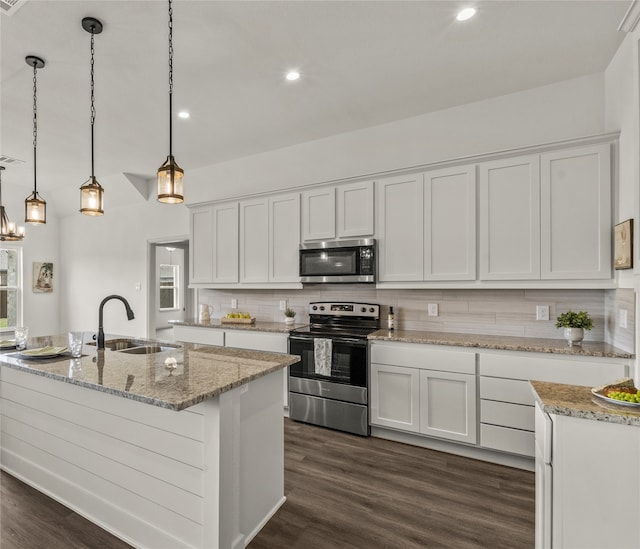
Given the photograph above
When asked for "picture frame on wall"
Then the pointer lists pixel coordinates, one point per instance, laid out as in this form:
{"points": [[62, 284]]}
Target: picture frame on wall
{"points": [[623, 245], [42, 277]]}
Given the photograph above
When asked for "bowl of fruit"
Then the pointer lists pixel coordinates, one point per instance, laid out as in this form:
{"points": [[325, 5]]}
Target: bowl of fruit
{"points": [[238, 318]]}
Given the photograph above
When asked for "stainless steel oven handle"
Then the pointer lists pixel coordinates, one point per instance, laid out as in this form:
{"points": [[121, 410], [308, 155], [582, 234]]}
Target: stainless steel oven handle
{"points": [[348, 340]]}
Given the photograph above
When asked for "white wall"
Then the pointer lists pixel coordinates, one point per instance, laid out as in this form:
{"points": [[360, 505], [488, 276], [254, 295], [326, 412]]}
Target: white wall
{"points": [[572, 108], [41, 244], [108, 255]]}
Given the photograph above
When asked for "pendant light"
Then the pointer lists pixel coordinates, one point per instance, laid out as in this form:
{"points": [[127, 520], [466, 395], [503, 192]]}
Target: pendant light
{"points": [[8, 230], [91, 193], [35, 208], [170, 174]]}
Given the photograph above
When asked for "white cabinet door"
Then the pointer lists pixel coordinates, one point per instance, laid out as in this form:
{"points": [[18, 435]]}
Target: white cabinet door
{"points": [[284, 238], [400, 228], [319, 214], [448, 405], [201, 251], [225, 243], [395, 397], [355, 209], [576, 213], [254, 240], [510, 219], [450, 224]]}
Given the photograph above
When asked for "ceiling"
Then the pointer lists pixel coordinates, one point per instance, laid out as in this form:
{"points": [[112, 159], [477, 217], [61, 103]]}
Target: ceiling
{"points": [[363, 63]]}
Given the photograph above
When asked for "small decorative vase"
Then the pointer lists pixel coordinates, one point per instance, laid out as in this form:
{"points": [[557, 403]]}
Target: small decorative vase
{"points": [[574, 335], [289, 320]]}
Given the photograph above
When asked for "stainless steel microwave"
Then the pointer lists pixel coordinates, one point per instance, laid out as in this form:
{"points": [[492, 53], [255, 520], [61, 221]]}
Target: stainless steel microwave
{"points": [[338, 261]]}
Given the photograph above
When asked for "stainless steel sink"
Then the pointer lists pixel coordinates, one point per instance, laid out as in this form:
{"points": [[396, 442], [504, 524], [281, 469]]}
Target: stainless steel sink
{"points": [[136, 346], [147, 349]]}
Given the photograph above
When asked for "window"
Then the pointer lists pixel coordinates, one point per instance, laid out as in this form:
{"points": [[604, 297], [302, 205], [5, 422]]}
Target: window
{"points": [[10, 287], [169, 287]]}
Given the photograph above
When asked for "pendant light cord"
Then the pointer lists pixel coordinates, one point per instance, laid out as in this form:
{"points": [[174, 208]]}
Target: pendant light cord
{"points": [[93, 108], [35, 125], [170, 79]]}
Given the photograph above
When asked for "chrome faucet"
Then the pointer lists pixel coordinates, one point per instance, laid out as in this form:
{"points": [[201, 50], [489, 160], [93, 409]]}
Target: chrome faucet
{"points": [[130, 316]]}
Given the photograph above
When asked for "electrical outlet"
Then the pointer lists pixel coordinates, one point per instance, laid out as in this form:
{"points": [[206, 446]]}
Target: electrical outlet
{"points": [[283, 304], [432, 309], [542, 312], [622, 318], [244, 389], [138, 286], [234, 303]]}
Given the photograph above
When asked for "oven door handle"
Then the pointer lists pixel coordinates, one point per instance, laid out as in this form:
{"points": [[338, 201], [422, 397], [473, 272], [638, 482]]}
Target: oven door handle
{"points": [[342, 340]]}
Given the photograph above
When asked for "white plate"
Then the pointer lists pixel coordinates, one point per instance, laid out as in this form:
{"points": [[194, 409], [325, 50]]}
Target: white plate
{"points": [[41, 353], [615, 401]]}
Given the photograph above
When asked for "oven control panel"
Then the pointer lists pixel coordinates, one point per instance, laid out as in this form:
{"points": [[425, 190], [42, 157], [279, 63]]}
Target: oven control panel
{"points": [[344, 309]]}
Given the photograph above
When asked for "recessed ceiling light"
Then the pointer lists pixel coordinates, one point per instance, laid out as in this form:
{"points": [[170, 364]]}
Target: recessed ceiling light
{"points": [[292, 76], [183, 114], [466, 13]]}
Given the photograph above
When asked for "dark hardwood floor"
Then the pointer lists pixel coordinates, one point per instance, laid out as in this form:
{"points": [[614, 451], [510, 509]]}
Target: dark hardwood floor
{"points": [[342, 491]]}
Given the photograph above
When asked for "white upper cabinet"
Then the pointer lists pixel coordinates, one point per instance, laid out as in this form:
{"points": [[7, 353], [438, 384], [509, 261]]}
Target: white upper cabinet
{"points": [[201, 256], [343, 211], [576, 213], [400, 228], [355, 210], [319, 214], [284, 238], [510, 219], [269, 238], [214, 244], [225, 243], [450, 224]]}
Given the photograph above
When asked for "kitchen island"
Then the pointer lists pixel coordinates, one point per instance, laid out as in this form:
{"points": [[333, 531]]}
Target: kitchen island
{"points": [[163, 445]]}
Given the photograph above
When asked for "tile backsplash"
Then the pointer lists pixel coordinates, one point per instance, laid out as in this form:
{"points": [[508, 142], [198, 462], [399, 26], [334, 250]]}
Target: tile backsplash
{"points": [[496, 312]]}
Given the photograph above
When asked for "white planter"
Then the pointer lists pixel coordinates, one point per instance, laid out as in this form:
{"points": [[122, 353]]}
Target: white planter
{"points": [[574, 335], [289, 320]]}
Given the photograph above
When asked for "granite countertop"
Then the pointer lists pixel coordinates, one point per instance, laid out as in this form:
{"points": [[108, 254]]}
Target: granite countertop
{"points": [[578, 401], [202, 371], [510, 343], [276, 327]]}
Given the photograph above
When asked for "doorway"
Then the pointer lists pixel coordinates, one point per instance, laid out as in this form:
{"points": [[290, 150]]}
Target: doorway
{"points": [[169, 296]]}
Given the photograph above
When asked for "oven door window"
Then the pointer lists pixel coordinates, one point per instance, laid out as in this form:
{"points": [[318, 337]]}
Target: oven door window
{"points": [[341, 261], [348, 361]]}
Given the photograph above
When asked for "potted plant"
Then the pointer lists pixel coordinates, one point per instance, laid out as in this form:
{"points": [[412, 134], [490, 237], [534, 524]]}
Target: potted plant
{"points": [[574, 325], [289, 315]]}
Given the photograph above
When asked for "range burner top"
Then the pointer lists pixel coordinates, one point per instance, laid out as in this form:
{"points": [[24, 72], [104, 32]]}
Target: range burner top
{"points": [[341, 319]]}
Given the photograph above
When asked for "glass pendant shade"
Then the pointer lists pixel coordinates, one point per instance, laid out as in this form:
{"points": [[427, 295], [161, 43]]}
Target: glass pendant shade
{"points": [[35, 209], [91, 196], [170, 182]]}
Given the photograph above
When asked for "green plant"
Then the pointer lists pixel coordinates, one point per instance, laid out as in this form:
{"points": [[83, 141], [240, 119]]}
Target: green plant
{"points": [[574, 320], [289, 312]]}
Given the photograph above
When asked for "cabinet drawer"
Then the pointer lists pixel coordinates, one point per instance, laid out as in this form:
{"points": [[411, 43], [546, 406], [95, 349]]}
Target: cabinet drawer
{"points": [[258, 341], [544, 368], [424, 358], [504, 414], [516, 391], [507, 440], [204, 336]]}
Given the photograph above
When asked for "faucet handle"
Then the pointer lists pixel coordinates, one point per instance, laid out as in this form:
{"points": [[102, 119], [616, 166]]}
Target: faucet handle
{"points": [[94, 337]]}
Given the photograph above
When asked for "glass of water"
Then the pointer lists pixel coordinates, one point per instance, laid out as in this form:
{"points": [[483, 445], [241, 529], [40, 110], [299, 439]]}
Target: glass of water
{"points": [[21, 334], [75, 344]]}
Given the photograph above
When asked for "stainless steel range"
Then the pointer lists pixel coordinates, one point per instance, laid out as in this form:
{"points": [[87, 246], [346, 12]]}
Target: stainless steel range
{"points": [[330, 384]]}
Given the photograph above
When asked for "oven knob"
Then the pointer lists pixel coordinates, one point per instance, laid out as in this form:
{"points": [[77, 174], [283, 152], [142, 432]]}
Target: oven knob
{"points": [[363, 310], [315, 307], [371, 309], [322, 307]]}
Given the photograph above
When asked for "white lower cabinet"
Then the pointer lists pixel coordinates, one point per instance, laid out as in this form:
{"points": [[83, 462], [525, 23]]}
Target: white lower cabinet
{"points": [[506, 399], [587, 480], [418, 389]]}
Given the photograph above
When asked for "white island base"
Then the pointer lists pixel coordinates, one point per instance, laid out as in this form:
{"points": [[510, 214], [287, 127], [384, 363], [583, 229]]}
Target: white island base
{"points": [[209, 476]]}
